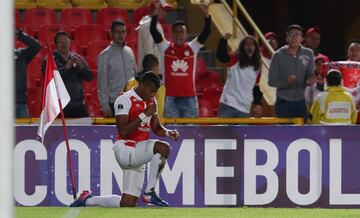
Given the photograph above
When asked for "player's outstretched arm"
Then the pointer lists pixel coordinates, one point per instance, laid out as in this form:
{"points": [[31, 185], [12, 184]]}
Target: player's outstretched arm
{"points": [[205, 33], [153, 24], [160, 130]]}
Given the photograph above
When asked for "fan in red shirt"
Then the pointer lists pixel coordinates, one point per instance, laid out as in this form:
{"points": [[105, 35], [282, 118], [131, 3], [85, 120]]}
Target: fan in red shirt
{"points": [[312, 40], [179, 61]]}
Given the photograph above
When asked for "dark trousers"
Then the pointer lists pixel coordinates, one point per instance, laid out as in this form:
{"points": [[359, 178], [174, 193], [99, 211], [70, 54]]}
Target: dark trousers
{"points": [[291, 109], [112, 108], [75, 110]]}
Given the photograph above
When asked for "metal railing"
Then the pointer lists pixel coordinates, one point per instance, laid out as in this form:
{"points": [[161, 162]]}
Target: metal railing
{"points": [[253, 25], [210, 120], [238, 32]]}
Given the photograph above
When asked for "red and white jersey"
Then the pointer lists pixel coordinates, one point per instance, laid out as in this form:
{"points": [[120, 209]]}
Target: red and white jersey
{"points": [[131, 104], [180, 66]]}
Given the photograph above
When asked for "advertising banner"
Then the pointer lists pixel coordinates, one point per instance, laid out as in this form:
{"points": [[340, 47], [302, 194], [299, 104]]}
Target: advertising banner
{"points": [[350, 71], [232, 166]]}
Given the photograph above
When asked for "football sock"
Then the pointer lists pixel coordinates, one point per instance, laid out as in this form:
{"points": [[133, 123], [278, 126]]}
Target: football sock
{"points": [[104, 201], [157, 164]]}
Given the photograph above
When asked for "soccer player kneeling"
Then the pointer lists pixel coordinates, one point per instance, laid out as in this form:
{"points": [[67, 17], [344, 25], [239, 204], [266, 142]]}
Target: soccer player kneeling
{"points": [[136, 114]]}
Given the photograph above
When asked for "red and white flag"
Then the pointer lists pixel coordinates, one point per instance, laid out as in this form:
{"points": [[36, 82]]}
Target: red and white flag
{"points": [[53, 91]]}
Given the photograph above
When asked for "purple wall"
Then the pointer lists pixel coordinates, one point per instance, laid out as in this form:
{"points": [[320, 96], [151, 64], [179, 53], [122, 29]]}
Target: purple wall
{"points": [[267, 166]]}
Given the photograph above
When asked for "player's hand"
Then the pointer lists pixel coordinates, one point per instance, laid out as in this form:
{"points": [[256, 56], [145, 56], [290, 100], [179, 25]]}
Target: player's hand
{"points": [[258, 110], [150, 110], [156, 7], [78, 62], [205, 8], [227, 36], [291, 79], [69, 64], [312, 80], [174, 134]]}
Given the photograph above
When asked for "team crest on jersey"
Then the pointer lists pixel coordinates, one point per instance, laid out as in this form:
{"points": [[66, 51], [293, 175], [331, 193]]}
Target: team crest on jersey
{"points": [[120, 106], [179, 65], [172, 52], [187, 53]]}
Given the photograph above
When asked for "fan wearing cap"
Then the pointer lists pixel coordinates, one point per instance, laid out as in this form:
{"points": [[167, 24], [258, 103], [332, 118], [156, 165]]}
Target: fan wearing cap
{"points": [[272, 38], [335, 106], [312, 40], [312, 90]]}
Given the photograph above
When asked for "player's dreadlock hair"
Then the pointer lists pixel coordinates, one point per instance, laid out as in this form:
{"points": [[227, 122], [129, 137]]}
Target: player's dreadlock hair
{"points": [[150, 77]]}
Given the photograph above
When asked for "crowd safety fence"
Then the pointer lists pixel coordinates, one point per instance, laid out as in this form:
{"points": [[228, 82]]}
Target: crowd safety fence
{"points": [[204, 121]]}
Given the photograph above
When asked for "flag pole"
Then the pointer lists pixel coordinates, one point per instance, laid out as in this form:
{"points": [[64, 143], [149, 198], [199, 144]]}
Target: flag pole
{"points": [[68, 149], [65, 132]]}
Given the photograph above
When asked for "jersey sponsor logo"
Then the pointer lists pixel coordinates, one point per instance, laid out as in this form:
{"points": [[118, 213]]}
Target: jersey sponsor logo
{"points": [[179, 65], [145, 128]]}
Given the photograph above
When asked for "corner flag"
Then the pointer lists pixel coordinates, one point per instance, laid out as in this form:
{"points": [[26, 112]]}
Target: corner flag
{"points": [[54, 91]]}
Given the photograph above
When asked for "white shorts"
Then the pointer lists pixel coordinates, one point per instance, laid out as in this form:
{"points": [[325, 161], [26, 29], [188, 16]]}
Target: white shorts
{"points": [[132, 160]]}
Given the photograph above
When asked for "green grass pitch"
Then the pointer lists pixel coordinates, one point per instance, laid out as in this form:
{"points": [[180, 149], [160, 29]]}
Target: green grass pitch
{"points": [[245, 212]]}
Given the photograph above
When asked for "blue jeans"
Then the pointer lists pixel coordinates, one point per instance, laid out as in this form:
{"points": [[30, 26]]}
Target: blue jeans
{"points": [[176, 107], [290, 109], [21, 111], [228, 111]]}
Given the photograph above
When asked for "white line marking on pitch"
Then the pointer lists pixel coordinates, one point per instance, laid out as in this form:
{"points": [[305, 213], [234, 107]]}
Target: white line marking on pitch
{"points": [[72, 213]]}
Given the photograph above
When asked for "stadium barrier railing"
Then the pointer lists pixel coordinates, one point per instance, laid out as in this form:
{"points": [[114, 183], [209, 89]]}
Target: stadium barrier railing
{"points": [[209, 121]]}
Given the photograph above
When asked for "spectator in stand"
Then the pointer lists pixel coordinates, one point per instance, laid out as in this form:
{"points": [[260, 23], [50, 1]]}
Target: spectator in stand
{"points": [[335, 105], [354, 50], [272, 38], [23, 56], [116, 65], [150, 63], [291, 68], [146, 44], [354, 55], [241, 87], [180, 64], [73, 70], [312, 41], [311, 91]]}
